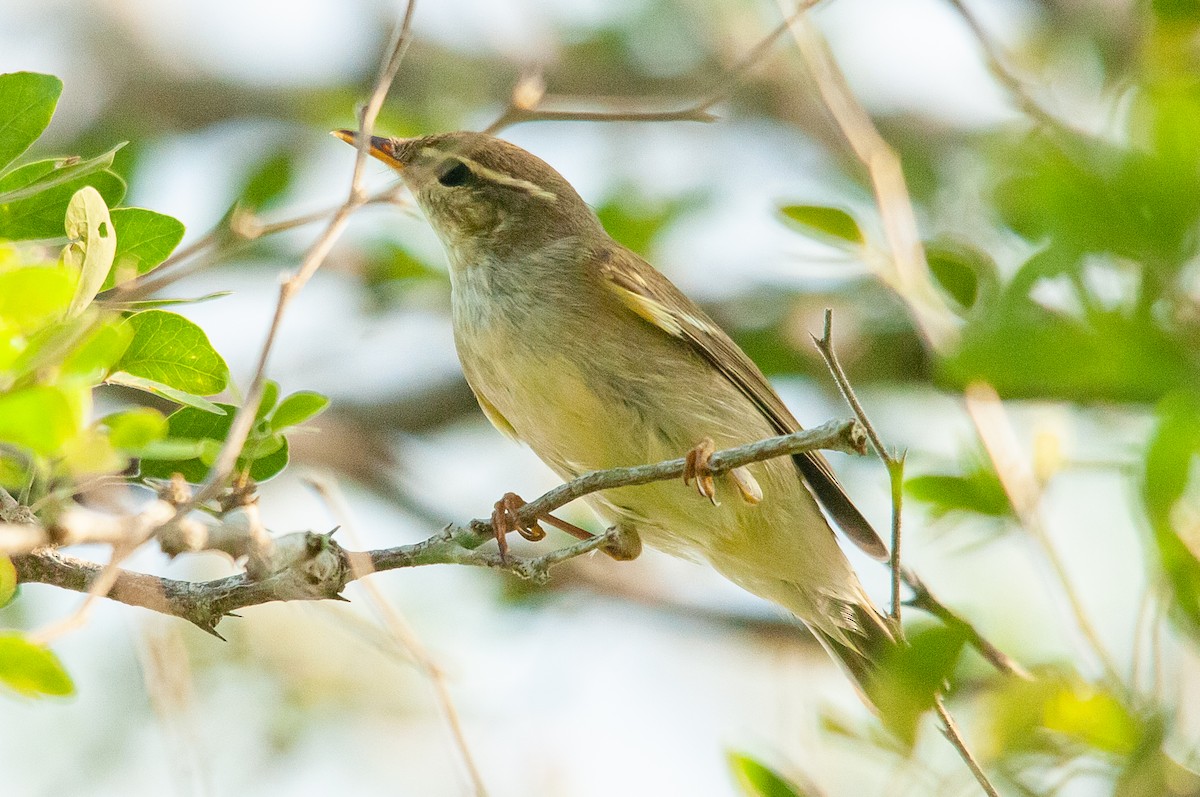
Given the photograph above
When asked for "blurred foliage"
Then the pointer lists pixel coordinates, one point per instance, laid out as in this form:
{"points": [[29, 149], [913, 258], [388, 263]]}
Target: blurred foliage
{"points": [[61, 243], [758, 780], [1068, 253]]}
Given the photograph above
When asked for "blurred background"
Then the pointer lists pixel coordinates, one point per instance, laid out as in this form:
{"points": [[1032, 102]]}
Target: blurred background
{"points": [[1061, 220]]}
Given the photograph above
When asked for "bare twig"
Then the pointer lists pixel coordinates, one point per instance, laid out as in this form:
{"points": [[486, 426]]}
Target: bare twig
{"points": [[997, 65], [526, 101], [403, 635], [309, 566], [243, 420], [241, 228], [1021, 487], [909, 276], [951, 732], [925, 600], [893, 462]]}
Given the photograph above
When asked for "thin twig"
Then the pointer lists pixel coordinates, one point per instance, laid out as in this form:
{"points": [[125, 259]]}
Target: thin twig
{"points": [[951, 732], [1020, 486], [926, 601], [909, 277], [997, 65], [894, 463], [244, 419], [526, 100], [403, 635], [240, 229]]}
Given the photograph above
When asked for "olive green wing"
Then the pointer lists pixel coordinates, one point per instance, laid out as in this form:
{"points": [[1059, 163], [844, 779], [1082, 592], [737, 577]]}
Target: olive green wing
{"points": [[653, 297]]}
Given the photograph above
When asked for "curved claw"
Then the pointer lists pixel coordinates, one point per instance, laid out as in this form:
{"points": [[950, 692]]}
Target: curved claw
{"points": [[697, 467]]}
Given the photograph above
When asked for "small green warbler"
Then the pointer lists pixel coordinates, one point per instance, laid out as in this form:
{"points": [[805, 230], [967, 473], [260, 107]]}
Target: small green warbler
{"points": [[579, 348]]}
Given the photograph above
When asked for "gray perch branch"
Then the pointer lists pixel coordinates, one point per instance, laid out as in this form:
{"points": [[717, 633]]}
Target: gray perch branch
{"points": [[310, 566]]}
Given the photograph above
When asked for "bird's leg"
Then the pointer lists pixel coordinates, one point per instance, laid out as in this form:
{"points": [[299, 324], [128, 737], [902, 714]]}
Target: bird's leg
{"points": [[697, 468], [626, 545]]}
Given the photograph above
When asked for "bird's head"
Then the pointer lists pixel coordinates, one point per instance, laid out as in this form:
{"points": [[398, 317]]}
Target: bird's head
{"points": [[485, 198]]}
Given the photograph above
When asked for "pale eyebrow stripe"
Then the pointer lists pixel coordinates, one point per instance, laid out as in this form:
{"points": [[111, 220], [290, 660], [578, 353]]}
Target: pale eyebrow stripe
{"points": [[501, 178]]}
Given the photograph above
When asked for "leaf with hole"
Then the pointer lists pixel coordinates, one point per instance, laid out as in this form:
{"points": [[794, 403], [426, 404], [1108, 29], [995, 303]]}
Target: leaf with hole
{"points": [[92, 247]]}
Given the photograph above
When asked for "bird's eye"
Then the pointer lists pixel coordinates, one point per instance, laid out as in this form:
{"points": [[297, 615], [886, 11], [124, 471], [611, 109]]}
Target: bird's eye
{"points": [[452, 173]]}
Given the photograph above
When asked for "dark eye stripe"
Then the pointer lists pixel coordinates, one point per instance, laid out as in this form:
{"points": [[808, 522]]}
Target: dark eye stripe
{"points": [[452, 173]]}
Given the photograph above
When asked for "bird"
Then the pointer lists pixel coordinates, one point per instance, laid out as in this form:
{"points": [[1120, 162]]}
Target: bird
{"points": [[576, 346]]}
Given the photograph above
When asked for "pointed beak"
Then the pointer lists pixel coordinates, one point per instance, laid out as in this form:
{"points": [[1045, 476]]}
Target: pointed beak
{"points": [[384, 149]]}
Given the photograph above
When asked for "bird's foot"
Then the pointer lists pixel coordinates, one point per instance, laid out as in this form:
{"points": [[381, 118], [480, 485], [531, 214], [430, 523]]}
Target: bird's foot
{"points": [[697, 467], [506, 518]]}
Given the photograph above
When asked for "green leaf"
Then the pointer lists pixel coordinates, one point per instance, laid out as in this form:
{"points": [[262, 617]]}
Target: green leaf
{"points": [[1171, 457], [50, 188], [758, 780], [1092, 196], [27, 101], [825, 221], [266, 467], [978, 491], [144, 240], [169, 349], [89, 453], [61, 172], [1025, 350], [154, 304], [269, 179], [189, 426], [30, 669], [172, 448], [31, 296], [101, 348], [92, 247], [166, 391], [134, 430], [961, 270], [38, 418], [1058, 712], [269, 398], [8, 580], [911, 677], [298, 408]]}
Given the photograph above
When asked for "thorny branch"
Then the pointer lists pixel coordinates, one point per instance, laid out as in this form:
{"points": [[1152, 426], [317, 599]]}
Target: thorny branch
{"points": [[894, 462]]}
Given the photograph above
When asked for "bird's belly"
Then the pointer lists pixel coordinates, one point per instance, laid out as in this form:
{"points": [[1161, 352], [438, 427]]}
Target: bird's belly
{"points": [[576, 424]]}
